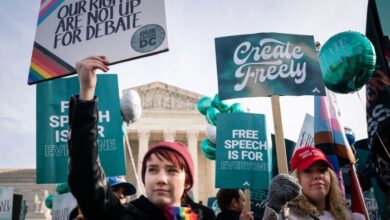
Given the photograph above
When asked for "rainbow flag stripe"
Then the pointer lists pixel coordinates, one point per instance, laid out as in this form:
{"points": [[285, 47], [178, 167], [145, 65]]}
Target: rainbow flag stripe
{"points": [[47, 7], [45, 65], [329, 134], [180, 213]]}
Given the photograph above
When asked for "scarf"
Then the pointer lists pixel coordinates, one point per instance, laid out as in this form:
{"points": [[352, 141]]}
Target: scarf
{"points": [[179, 213]]}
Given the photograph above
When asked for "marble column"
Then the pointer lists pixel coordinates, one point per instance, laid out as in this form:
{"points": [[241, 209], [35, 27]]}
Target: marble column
{"points": [[169, 135], [143, 146], [192, 138]]}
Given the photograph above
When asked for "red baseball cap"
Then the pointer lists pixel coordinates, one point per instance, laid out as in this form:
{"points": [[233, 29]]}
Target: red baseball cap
{"points": [[304, 157]]}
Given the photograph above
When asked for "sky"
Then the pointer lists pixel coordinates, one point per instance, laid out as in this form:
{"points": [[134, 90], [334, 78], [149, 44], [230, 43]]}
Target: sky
{"points": [[190, 62]]}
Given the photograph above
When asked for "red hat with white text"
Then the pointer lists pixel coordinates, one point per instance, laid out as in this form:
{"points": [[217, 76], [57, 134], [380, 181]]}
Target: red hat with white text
{"points": [[304, 157]]}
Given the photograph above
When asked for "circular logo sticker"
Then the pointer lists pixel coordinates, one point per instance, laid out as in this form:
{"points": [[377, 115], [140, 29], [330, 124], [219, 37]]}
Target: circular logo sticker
{"points": [[148, 38]]}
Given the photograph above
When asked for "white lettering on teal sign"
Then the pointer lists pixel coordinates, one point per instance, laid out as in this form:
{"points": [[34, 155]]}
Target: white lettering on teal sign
{"points": [[243, 158], [268, 62]]}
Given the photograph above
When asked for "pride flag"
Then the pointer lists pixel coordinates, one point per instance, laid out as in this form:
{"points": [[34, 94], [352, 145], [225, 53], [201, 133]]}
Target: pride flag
{"points": [[329, 134], [330, 137]]}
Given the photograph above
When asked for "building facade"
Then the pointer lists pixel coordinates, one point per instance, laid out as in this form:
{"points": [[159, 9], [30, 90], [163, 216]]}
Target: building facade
{"points": [[23, 182]]}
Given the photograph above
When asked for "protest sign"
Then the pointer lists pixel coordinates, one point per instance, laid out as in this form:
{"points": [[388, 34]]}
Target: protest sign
{"points": [[306, 136], [243, 158], [266, 64], [257, 199], [6, 200], [17, 206], [70, 30], [62, 206], [52, 127], [212, 203]]}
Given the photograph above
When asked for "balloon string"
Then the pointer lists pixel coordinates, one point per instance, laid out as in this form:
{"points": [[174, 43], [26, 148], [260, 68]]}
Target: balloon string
{"points": [[376, 133], [132, 162]]}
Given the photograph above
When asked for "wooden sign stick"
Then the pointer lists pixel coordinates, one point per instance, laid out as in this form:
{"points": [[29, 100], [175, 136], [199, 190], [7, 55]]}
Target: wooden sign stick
{"points": [[247, 193], [279, 138]]}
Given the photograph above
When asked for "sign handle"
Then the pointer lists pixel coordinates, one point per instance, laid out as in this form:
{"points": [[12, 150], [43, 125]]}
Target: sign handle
{"points": [[279, 138], [247, 193]]}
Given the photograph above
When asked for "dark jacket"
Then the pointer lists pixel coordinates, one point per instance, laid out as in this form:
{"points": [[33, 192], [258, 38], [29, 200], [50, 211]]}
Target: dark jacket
{"points": [[86, 177], [228, 215], [203, 212]]}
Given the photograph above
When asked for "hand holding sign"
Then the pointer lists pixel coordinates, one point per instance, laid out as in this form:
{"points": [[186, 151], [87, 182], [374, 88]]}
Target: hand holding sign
{"points": [[86, 70]]}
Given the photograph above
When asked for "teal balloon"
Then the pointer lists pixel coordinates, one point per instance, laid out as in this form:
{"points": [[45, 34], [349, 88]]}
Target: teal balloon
{"points": [[211, 115], [237, 107], [62, 188], [347, 61], [222, 106], [203, 104], [209, 156], [208, 149], [49, 201]]}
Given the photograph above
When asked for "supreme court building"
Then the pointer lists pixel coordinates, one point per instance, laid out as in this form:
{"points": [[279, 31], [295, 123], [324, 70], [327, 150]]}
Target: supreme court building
{"points": [[169, 113]]}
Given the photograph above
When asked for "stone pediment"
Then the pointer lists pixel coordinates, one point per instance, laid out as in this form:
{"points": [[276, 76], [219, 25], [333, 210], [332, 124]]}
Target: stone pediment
{"points": [[158, 95]]}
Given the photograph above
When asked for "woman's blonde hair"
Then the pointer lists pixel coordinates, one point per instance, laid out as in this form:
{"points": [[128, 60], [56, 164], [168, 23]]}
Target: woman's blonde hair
{"points": [[335, 202]]}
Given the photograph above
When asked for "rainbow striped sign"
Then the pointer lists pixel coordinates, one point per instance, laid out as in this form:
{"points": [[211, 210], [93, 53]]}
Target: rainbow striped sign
{"points": [[70, 30]]}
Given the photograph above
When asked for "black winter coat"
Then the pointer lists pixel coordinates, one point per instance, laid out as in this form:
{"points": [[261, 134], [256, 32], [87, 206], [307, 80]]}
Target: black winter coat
{"points": [[228, 215]]}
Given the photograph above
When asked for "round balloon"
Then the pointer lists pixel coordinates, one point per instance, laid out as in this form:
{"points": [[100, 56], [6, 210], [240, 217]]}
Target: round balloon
{"points": [[62, 188], [237, 107], [222, 106], [350, 139], [211, 133], [208, 149], [131, 106], [203, 104], [347, 61], [211, 115], [350, 135], [209, 156], [49, 201]]}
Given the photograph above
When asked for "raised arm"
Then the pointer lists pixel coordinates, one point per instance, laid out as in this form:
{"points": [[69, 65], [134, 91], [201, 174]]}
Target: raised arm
{"points": [[86, 177]]}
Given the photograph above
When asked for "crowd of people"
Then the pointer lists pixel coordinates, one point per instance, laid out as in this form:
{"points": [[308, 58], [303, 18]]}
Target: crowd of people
{"points": [[310, 191]]}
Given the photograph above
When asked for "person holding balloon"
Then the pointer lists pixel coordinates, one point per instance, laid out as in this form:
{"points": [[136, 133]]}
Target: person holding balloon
{"points": [[167, 167], [311, 191]]}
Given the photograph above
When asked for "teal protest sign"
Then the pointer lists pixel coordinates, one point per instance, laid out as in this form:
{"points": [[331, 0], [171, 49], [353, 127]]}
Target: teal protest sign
{"points": [[257, 199], [6, 201], [52, 127], [266, 64], [243, 157], [212, 203]]}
